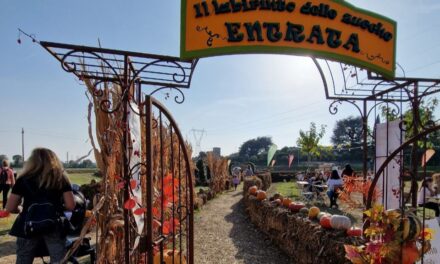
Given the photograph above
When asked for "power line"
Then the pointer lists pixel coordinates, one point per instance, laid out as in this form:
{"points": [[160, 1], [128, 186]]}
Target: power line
{"points": [[269, 116], [422, 67], [265, 122], [272, 123]]}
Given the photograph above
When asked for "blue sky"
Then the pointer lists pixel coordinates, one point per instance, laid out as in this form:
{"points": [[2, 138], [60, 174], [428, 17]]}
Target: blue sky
{"points": [[234, 98]]}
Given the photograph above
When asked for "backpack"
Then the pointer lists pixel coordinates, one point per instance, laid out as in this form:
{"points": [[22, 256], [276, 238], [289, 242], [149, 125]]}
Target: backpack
{"points": [[4, 176], [41, 217]]}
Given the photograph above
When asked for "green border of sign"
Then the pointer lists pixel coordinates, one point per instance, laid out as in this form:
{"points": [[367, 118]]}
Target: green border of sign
{"points": [[286, 50]]}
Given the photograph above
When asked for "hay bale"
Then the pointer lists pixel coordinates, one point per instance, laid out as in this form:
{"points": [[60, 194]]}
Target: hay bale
{"points": [[251, 181], [266, 179], [305, 241], [198, 203]]}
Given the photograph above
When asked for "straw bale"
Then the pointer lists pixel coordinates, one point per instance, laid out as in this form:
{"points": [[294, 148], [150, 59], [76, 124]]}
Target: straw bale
{"points": [[251, 181], [300, 238], [266, 179]]}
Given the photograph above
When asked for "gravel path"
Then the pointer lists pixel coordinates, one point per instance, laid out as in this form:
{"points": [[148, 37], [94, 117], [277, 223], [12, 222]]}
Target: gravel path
{"points": [[223, 234]]}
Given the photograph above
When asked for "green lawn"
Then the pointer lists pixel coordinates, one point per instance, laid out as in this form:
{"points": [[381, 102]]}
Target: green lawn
{"points": [[82, 178]]}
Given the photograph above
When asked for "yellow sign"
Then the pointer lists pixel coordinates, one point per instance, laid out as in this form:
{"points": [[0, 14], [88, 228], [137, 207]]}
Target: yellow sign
{"points": [[331, 29]]}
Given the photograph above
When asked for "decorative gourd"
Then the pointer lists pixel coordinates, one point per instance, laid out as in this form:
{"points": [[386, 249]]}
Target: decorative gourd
{"points": [[277, 196], [261, 195], [325, 222], [304, 211], [340, 222], [414, 227], [287, 202], [354, 232], [313, 212], [277, 202], [253, 190], [296, 206], [411, 225]]}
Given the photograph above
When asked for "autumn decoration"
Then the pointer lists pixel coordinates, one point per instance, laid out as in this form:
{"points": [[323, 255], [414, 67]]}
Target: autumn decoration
{"points": [[356, 186], [392, 237]]}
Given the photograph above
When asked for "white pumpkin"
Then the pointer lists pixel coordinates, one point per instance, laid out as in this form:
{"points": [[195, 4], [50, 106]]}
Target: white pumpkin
{"points": [[340, 222]]}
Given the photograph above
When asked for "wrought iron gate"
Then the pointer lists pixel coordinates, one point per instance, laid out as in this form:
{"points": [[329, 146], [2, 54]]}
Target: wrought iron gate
{"points": [[146, 207], [169, 182]]}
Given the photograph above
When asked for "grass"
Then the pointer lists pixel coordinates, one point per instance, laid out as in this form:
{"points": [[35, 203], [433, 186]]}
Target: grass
{"points": [[198, 188], [82, 178], [6, 224], [287, 189]]}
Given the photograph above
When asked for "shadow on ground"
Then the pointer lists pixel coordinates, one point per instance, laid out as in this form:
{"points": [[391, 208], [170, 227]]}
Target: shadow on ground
{"points": [[7, 248], [253, 246]]}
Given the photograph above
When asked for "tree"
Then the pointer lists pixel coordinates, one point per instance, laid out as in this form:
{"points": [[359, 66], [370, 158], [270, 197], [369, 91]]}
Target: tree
{"points": [[254, 147], [309, 140], [87, 163], [426, 114], [18, 161], [200, 177], [347, 138]]}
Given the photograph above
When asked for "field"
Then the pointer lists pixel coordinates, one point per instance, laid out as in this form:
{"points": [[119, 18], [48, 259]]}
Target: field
{"points": [[82, 178]]}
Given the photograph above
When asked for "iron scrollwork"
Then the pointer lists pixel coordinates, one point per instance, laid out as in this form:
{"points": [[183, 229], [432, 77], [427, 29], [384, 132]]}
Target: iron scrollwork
{"points": [[179, 98]]}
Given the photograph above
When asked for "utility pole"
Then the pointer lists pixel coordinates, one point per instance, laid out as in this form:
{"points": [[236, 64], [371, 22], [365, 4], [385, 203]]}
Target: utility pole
{"points": [[22, 143], [67, 160]]}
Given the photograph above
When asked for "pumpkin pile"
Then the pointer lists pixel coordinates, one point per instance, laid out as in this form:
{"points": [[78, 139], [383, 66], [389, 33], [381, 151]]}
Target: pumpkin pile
{"points": [[260, 194], [393, 238]]}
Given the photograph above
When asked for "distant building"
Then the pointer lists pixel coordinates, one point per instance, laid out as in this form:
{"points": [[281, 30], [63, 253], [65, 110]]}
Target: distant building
{"points": [[216, 151]]}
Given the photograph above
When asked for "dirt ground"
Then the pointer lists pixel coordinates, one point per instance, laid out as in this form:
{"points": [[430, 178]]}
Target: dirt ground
{"points": [[223, 234]]}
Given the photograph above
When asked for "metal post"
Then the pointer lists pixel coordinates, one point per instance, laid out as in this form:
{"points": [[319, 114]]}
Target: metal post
{"points": [[126, 169], [414, 157], [149, 174], [365, 145]]}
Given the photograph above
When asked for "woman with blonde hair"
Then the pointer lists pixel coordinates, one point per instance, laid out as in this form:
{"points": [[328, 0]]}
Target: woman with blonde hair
{"points": [[7, 180], [42, 177]]}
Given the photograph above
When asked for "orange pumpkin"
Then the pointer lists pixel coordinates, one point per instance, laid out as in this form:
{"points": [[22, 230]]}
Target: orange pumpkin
{"points": [[287, 202], [277, 202], [253, 190], [296, 206], [261, 195], [313, 212], [325, 222], [354, 232], [168, 257]]}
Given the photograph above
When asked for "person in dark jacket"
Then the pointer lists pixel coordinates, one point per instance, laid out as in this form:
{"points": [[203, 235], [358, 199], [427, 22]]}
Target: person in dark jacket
{"points": [[43, 175], [7, 180]]}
